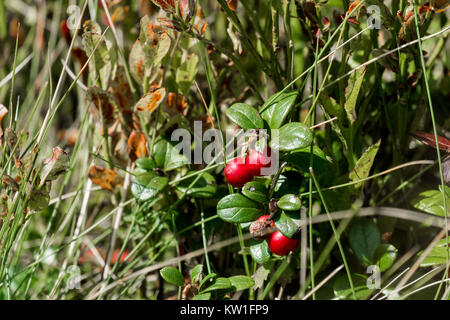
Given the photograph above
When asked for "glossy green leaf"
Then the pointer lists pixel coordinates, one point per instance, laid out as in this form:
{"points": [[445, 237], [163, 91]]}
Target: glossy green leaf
{"points": [[256, 191], [385, 256], [236, 208], [207, 279], [437, 255], [431, 201], [204, 187], [145, 163], [245, 116], [218, 284], [288, 223], [289, 202], [342, 289], [364, 238], [196, 273], [147, 184], [291, 136], [323, 168], [172, 275], [203, 296], [239, 283], [260, 252], [167, 156], [277, 112]]}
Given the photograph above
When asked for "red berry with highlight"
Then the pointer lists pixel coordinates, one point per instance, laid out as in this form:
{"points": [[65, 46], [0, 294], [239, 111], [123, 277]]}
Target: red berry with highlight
{"points": [[281, 245], [237, 173], [257, 160]]}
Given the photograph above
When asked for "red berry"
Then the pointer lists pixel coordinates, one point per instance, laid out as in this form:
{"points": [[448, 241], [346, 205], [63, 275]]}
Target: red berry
{"points": [[281, 245], [115, 256], [237, 173], [256, 160]]}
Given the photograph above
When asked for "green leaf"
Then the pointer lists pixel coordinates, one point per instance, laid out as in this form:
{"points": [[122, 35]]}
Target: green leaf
{"points": [[431, 202], [203, 296], [364, 164], [277, 112], [167, 156], [385, 256], [196, 273], [256, 191], [289, 202], [352, 91], [260, 252], [239, 283], [39, 200], [147, 184], [204, 187], [207, 278], [288, 223], [364, 238], [172, 275], [244, 116], [218, 284], [155, 42], [146, 164], [291, 136], [236, 208], [186, 73], [342, 289], [322, 167], [437, 255], [330, 105]]}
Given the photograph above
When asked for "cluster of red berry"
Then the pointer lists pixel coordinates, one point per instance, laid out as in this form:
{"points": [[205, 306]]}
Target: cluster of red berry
{"points": [[240, 170]]}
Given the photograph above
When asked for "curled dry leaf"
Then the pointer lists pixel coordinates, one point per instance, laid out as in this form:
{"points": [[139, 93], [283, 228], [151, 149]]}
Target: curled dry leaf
{"points": [[151, 100], [176, 103], [104, 103], [104, 177], [232, 4], [136, 145], [54, 166]]}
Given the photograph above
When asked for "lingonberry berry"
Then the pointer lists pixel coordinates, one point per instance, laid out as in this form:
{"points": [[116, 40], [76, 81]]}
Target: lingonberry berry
{"points": [[281, 245], [257, 160], [237, 173]]}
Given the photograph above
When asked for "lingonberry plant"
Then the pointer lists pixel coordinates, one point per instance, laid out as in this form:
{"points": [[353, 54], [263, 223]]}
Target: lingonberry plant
{"points": [[326, 122]]}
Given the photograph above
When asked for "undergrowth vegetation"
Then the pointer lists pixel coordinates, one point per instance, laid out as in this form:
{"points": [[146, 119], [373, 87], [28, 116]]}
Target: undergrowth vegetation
{"points": [[224, 149]]}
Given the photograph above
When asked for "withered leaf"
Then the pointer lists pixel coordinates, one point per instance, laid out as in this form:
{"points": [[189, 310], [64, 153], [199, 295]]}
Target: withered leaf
{"points": [[176, 103], [151, 100], [104, 103], [54, 166], [104, 177], [428, 139], [8, 180], [136, 145]]}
